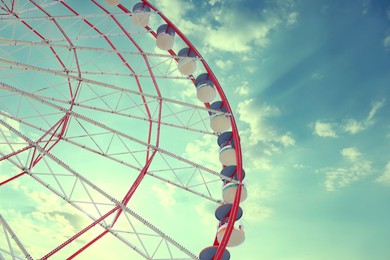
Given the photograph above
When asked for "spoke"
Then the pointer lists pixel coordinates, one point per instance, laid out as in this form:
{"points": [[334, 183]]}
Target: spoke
{"points": [[102, 84], [154, 173], [105, 127], [60, 17], [118, 113], [86, 48], [89, 187], [9, 233]]}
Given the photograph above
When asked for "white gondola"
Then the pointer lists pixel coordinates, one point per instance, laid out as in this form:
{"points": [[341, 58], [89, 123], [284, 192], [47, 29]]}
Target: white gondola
{"points": [[219, 122], [113, 2], [187, 62], [141, 13], [227, 152], [229, 192], [165, 37], [227, 155], [205, 89], [237, 236]]}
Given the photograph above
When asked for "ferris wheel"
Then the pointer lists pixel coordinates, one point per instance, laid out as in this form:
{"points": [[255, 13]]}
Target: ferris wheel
{"points": [[109, 122]]}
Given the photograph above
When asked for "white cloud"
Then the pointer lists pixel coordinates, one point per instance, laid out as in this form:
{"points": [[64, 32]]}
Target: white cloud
{"points": [[292, 18], [206, 151], [374, 109], [227, 28], [255, 212], [175, 9], [299, 166], [251, 69], [45, 214], [165, 195], [26, 227], [353, 126], [351, 153], [255, 207], [354, 168], [257, 162], [203, 211], [238, 35], [385, 177], [13, 123], [243, 89], [261, 139], [287, 140], [186, 94], [213, 2], [259, 130], [224, 64], [287, 11], [350, 125], [324, 129], [386, 42], [286, 5]]}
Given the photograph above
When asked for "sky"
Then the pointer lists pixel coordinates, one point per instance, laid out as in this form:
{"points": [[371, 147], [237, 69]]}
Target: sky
{"points": [[308, 85]]}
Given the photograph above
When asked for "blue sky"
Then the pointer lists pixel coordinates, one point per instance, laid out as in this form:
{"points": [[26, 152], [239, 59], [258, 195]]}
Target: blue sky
{"points": [[308, 82]]}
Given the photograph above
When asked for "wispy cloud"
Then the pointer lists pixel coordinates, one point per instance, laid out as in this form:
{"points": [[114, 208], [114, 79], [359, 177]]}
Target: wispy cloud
{"points": [[351, 153], [349, 126], [260, 130], [385, 177], [204, 151], [261, 140], [204, 211], [176, 9], [225, 28], [374, 109], [243, 89], [224, 64], [354, 167], [165, 194], [292, 18], [256, 212], [254, 209], [353, 126], [41, 214], [386, 42], [238, 35], [13, 123], [323, 129], [213, 2]]}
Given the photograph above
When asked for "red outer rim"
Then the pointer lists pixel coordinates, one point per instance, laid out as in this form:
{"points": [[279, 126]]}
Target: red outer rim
{"points": [[236, 137]]}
